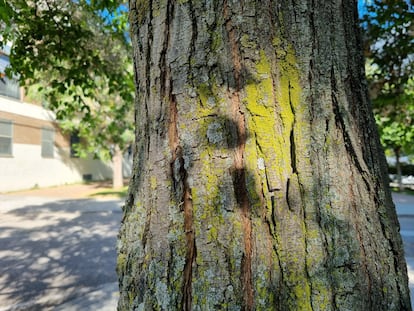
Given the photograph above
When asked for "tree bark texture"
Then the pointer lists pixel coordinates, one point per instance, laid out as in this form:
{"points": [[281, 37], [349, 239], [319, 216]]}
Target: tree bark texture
{"points": [[258, 180]]}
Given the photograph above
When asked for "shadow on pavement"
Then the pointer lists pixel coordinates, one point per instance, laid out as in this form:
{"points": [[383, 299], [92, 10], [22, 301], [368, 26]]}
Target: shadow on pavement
{"points": [[61, 255], [56, 252]]}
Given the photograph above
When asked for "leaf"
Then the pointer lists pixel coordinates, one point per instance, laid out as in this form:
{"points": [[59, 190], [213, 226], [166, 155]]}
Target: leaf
{"points": [[76, 53], [6, 12]]}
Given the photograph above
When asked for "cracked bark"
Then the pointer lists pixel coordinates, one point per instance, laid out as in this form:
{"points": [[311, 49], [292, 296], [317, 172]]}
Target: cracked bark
{"points": [[257, 181], [239, 174]]}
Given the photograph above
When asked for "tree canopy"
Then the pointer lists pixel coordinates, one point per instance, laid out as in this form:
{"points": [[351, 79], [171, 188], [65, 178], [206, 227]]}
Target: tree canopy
{"points": [[77, 55], [389, 38]]}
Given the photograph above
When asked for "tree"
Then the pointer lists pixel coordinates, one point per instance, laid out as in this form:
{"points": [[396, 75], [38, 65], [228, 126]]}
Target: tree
{"points": [[259, 182], [395, 123], [77, 55], [389, 44]]}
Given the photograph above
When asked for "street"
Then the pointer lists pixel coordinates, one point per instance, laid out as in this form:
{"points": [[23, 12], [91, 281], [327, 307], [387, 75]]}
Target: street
{"points": [[60, 254], [407, 234], [53, 252], [405, 210]]}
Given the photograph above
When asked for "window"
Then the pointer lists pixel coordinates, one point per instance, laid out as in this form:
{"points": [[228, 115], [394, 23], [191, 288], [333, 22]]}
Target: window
{"points": [[48, 142], [6, 137], [8, 87], [74, 143]]}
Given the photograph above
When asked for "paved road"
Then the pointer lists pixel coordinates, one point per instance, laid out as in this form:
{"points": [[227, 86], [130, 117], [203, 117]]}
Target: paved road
{"points": [[405, 210], [61, 252], [58, 252]]}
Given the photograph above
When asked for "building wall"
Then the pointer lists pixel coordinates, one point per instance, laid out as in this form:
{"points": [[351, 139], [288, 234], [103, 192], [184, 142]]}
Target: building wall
{"points": [[26, 168], [28, 130]]}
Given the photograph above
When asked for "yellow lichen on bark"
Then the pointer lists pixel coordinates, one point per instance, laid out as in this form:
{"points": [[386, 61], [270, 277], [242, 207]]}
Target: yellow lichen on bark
{"points": [[270, 120], [272, 99]]}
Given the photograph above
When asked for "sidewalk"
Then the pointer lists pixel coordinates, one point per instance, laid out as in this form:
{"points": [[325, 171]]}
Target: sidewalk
{"points": [[105, 296], [57, 248], [103, 299], [404, 204], [72, 191]]}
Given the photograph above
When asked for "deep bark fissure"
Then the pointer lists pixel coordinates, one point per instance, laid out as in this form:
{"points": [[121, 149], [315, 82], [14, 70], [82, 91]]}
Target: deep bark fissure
{"points": [[313, 53], [292, 134], [307, 254], [194, 33], [354, 163], [316, 119], [272, 228], [360, 240], [148, 76], [288, 197], [398, 256], [179, 172], [387, 223], [321, 218], [133, 181], [190, 239], [164, 69], [173, 143], [341, 125], [239, 172], [145, 151], [179, 176], [147, 226], [165, 76], [293, 151]]}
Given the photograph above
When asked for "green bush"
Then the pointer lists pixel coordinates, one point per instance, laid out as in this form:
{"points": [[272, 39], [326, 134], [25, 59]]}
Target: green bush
{"points": [[406, 169]]}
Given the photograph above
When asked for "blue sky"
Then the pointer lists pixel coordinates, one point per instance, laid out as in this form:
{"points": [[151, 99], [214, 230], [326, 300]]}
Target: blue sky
{"points": [[361, 7]]}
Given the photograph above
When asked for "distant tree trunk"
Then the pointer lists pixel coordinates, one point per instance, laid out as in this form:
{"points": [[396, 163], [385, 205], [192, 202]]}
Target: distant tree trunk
{"points": [[117, 177], [398, 167], [259, 182]]}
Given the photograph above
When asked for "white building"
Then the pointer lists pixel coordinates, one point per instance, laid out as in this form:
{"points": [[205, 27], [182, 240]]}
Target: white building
{"points": [[33, 150]]}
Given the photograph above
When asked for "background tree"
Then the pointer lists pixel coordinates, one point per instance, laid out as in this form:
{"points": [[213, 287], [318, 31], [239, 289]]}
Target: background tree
{"points": [[389, 44], [396, 125], [259, 181], [78, 56], [389, 47]]}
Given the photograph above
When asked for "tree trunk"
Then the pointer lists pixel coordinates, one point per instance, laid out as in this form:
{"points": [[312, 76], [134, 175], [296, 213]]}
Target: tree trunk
{"points": [[117, 174], [398, 167], [257, 184]]}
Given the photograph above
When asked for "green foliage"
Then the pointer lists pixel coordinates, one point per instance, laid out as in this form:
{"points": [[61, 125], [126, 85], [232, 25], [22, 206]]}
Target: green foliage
{"points": [[394, 115], [395, 135], [74, 56], [389, 34], [406, 169], [5, 11], [120, 193]]}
